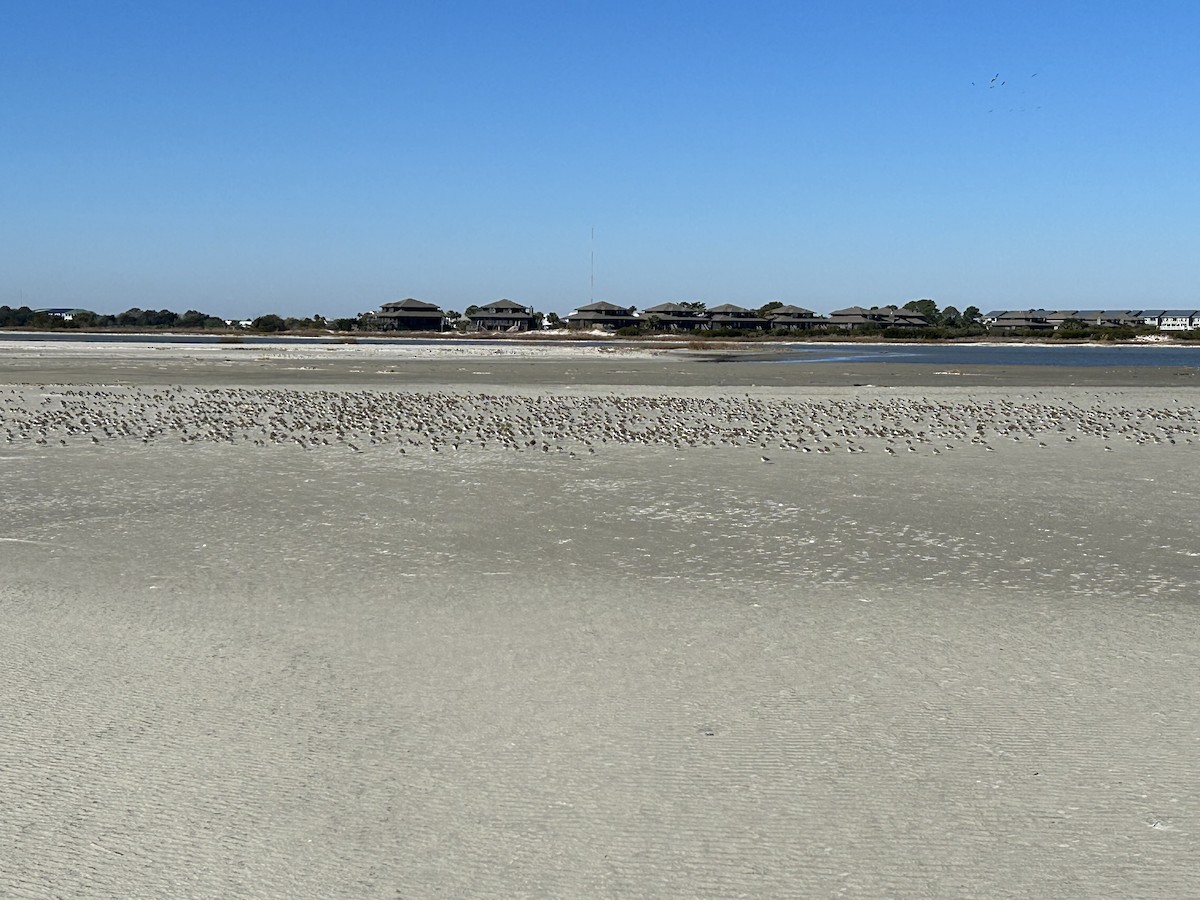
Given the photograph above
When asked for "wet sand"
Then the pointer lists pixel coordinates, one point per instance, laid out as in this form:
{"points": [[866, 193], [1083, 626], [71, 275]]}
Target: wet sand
{"points": [[520, 363], [248, 652]]}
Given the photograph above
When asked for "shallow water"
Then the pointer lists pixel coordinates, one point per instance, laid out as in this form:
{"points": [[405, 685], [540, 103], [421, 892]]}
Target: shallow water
{"points": [[1074, 355]]}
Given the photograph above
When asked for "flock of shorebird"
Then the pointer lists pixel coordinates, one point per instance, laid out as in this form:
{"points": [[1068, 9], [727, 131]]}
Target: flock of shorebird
{"points": [[440, 421]]}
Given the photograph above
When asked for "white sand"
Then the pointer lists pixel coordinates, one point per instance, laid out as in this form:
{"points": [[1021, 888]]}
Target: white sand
{"points": [[448, 348]]}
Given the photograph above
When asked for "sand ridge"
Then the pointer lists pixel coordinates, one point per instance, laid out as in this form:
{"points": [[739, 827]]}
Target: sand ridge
{"points": [[586, 420]]}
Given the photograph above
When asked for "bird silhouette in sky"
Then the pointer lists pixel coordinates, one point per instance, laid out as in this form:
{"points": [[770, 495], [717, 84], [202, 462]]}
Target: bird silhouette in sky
{"points": [[997, 82]]}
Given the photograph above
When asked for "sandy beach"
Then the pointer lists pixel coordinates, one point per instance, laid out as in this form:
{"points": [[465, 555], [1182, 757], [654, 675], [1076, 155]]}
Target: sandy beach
{"points": [[340, 623]]}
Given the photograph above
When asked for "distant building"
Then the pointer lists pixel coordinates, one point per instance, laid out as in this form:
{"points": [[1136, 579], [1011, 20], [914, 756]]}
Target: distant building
{"points": [[858, 317], [1107, 318], [607, 316], [675, 317], [727, 315], [409, 315], [1171, 319], [796, 318], [502, 315], [1022, 320], [1060, 317]]}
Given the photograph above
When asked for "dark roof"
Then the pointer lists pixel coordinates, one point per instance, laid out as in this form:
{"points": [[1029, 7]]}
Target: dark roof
{"points": [[602, 306], [790, 311], [670, 308], [1025, 314], [728, 308], [594, 316], [504, 304], [409, 305]]}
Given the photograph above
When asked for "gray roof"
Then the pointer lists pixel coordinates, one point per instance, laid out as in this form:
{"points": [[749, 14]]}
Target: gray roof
{"points": [[1025, 314], [504, 304], [410, 305], [673, 308], [603, 306]]}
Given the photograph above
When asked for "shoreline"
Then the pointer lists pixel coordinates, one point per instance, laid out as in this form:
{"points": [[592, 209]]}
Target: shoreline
{"points": [[513, 363], [551, 338]]}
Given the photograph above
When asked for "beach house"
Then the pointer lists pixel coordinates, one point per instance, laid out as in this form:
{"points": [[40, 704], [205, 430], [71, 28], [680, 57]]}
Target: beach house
{"points": [[858, 317], [409, 315], [607, 316], [796, 318], [727, 315], [502, 315], [675, 317]]}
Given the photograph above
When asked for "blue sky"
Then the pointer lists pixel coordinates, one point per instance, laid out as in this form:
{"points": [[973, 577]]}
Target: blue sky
{"points": [[306, 157]]}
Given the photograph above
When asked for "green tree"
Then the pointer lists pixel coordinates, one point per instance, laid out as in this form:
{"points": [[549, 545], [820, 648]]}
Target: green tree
{"points": [[971, 315], [84, 319], [924, 307], [768, 307], [192, 319], [269, 322]]}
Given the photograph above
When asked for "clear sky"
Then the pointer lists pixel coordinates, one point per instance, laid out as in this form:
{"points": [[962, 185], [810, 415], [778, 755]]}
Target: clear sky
{"points": [[326, 157]]}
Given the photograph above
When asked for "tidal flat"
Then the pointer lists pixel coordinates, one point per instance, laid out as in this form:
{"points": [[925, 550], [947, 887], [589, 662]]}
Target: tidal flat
{"points": [[417, 635]]}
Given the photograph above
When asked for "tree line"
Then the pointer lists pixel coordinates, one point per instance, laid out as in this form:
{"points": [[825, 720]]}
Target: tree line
{"points": [[947, 323], [163, 319]]}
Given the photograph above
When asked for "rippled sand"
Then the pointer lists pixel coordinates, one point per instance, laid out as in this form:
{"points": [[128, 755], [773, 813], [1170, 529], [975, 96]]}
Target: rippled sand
{"points": [[248, 652]]}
